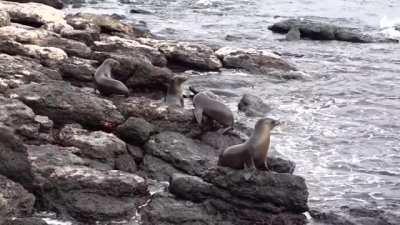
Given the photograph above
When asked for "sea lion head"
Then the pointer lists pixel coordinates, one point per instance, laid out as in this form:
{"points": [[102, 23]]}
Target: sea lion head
{"points": [[266, 123], [111, 62]]}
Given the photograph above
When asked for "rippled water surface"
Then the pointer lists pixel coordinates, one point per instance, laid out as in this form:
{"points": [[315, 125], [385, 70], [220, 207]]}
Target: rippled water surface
{"points": [[343, 125]]}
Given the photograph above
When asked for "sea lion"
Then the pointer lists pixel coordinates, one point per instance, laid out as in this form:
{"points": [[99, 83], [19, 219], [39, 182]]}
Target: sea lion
{"points": [[104, 81], [207, 103], [174, 95], [293, 34], [252, 153]]}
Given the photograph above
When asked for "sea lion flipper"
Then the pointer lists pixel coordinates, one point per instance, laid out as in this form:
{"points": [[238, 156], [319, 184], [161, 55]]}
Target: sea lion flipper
{"points": [[198, 114]]}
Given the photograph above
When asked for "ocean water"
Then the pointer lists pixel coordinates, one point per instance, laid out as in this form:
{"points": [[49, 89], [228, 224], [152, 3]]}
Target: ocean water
{"points": [[342, 126]]}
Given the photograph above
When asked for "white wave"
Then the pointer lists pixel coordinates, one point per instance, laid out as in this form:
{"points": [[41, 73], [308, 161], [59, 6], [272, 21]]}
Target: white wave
{"points": [[386, 22]]}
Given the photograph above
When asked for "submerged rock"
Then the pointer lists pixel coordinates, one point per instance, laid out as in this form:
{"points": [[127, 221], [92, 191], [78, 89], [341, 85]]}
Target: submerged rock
{"points": [[254, 61], [293, 34], [253, 106], [15, 201], [323, 31], [64, 104]]}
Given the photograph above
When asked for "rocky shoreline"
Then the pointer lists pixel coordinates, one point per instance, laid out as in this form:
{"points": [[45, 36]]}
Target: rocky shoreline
{"points": [[94, 160]]}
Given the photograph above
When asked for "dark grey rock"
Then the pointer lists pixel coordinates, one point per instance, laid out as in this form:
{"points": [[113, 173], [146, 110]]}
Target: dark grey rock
{"points": [[88, 36], [136, 152], [79, 69], [17, 70], [14, 158], [66, 104], [15, 201], [181, 152], [25, 221], [125, 163], [58, 4], [135, 130], [254, 61], [323, 31], [253, 106], [180, 120], [139, 11], [86, 194], [97, 145], [71, 47]]}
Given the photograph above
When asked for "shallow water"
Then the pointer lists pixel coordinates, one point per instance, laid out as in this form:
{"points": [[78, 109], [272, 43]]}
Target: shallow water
{"points": [[342, 127]]}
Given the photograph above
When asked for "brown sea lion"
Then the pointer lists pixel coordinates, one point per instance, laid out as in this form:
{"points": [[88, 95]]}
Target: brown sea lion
{"points": [[174, 95], [104, 81], [207, 103], [252, 153]]}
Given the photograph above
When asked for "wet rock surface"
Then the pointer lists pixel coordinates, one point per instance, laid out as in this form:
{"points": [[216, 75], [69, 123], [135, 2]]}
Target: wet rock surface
{"points": [[323, 31]]}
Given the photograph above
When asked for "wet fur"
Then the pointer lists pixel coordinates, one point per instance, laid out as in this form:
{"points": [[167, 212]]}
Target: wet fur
{"points": [[104, 81]]}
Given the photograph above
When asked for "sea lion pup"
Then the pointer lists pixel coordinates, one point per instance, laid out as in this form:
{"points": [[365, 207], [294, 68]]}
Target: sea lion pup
{"points": [[252, 153], [174, 96], [207, 103], [104, 81]]}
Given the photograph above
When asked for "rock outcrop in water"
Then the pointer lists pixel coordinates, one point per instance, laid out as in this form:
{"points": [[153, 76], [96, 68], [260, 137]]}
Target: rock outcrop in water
{"points": [[66, 148], [323, 31]]}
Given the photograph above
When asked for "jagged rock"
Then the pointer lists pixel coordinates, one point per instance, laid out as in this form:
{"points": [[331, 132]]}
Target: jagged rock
{"points": [[182, 153], [4, 19], [181, 121], [58, 4], [43, 54], [186, 55], [67, 185], [136, 153], [35, 14], [45, 123], [71, 47], [23, 34], [163, 208], [93, 195], [252, 60], [17, 70], [98, 145], [157, 169], [65, 104], [18, 116], [25, 221], [125, 163], [135, 130], [88, 36], [324, 31], [78, 69], [130, 47], [107, 24], [137, 71], [253, 106], [15, 201]]}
